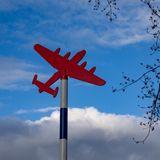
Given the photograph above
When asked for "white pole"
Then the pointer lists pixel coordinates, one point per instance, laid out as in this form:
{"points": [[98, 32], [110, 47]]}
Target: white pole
{"points": [[64, 119]]}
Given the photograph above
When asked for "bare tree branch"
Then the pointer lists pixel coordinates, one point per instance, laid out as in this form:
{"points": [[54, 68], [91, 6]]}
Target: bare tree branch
{"points": [[154, 29], [153, 117], [109, 8], [151, 78], [136, 80]]}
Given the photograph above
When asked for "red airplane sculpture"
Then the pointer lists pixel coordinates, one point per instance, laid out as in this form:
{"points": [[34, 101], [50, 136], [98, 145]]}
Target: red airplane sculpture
{"points": [[66, 68]]}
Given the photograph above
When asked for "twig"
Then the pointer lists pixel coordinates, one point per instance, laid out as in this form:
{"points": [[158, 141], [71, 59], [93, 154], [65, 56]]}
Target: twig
{"points": [[151, 122], [138, 79]]}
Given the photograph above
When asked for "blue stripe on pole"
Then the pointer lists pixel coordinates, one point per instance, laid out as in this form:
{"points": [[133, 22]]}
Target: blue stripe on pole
{"points": [[63, 123]]}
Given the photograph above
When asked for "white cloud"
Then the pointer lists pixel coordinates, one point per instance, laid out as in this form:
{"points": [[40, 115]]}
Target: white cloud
{"points": [[92, 135], [39, 110], [16, 74], [75, 22]]}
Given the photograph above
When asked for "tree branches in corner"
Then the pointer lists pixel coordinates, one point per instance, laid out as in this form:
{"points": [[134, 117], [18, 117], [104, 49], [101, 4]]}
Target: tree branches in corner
{"points": [[109, 8], [150, 78]]}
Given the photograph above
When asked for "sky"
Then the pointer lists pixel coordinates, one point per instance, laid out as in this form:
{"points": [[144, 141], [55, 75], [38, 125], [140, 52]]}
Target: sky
{"points": [[113, 48]]}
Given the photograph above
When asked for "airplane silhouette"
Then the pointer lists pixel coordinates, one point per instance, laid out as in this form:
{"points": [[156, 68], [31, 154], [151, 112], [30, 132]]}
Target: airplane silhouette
{"points": [[66, 68]]}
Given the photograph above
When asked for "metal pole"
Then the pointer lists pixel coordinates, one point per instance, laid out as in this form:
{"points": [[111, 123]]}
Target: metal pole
{"points": [[64, 119]]}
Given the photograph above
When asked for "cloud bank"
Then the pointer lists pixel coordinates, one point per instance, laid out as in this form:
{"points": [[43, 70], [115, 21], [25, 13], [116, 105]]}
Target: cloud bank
{"points": [[92, 135]]}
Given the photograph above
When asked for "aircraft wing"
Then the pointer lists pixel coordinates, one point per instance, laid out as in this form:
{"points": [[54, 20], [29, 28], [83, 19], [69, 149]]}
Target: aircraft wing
{"points": [[52, 57], [82, 74]]}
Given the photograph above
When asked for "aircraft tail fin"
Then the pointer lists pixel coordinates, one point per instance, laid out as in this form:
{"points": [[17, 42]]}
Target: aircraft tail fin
{"points": [[34, 79], [43, 87]]}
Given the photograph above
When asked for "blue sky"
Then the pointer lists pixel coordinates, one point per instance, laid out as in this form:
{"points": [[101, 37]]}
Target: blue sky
{"points": [[113, 47], [99, 120]]}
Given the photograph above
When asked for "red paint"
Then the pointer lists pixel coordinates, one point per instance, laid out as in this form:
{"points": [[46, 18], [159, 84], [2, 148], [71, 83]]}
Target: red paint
{"points": [[66, 68], [43, 87]]}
